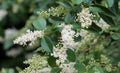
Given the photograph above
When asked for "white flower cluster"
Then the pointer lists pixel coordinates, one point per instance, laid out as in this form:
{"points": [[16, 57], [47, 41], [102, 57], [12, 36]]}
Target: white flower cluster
{"points": [[67, 37], [38, 64], [57, 11], [68, 68], [67, 41], [101, 23], [44, 14], [87, 37], [3, 13], [82, 33], [44, 70], [29, 37], [53, 11], [60, 53], [85, 18]]}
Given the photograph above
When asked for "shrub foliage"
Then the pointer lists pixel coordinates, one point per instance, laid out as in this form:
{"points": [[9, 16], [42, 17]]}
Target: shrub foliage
{"points": [[74, 36]]}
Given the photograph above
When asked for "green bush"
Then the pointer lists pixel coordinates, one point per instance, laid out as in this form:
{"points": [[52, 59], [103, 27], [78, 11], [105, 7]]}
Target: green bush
{"points": [[72, 36]]}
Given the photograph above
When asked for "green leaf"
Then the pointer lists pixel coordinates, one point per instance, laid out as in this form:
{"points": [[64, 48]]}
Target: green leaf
{"points": [[107, 42], [115, 7], [68, 18], [65, 4], [7, 70], [10, 70], [55, 70], [4, 5], [40, 49], [76, 26], [107, 19], [77, 1], [71, 55], [51, 20], [88, 2], [96, 9], [39, 24], [8, 44], [104, 10], [91, 71], [110, 2], [81, 68], [100, 69], [43, 3], [116, 36], [47, 44], [94, 28], [115, 28], [52, 61], [59, 28], [77, 39], [54, 19]]}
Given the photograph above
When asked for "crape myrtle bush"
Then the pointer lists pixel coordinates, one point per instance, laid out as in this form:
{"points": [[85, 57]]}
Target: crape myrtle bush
{"points": [[74, 36]]}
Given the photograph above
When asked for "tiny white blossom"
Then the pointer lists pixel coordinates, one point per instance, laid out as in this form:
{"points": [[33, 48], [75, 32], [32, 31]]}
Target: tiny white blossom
{"points": [[85, 18], [68, 68], [29, 37], [60, 53], [67, 37], [101, 23], [43, 70], [87, 37]]}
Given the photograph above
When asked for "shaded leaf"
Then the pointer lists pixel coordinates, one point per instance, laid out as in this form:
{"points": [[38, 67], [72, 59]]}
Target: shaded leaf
{"points": [[39, 24], [65, 4], [104, 9], [88, 2], [81, 68], [77, 1], [55, 70], [52, 61], [110, 2], [47, 44], [100, 69], [8, 44], [96, 9], [76, 26], [107, 19], [55, 20], [71, 55], [68, 18], [94, 28], [116, 36]]}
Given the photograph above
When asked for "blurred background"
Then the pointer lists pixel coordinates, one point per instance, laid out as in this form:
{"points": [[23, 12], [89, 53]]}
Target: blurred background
{"points": [[16, 17]]}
